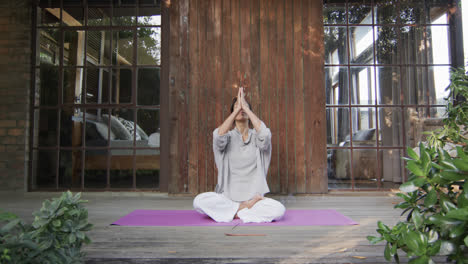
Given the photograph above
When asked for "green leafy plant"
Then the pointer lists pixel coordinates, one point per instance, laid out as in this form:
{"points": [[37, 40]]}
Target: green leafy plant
{"points": [[435, 197], [55, 236]]}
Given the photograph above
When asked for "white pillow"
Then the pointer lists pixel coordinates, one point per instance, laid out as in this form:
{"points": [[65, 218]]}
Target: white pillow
{"points": [[118, 128], [103, 130]]}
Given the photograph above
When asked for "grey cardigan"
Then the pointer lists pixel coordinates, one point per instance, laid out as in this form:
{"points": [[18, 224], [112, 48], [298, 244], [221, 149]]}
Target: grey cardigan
{"points": [[261, 141]]}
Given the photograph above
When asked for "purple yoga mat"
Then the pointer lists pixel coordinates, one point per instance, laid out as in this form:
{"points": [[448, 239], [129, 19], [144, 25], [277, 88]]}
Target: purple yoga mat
{"points": [[325, 217]]}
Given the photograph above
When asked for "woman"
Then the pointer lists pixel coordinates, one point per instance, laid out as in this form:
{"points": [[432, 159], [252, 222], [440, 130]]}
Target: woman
{"points": [[242, 156]]}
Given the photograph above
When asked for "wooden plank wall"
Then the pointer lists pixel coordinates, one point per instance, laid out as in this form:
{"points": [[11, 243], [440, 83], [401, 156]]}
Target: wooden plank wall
{"points": [[278, 44]]}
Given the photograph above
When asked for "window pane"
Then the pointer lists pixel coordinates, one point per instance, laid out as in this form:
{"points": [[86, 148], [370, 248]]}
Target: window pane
{"points": [[438, 10], [412, 39], [386, 47], [73, 48], [124, 16], [362, 85], [414, 125], [47, 83], [359, 12], [334, 13], [361, 45], [439, 80], [97, 85], [392, 168], [148, 125], [44, 169], [438, 45], [385, 11], [339, 174], [364, 126], [71, 129], [45, 123], [122, 177], [70, 169], [125, 130], [390, 127], [98, 48], [122, 47], [49, 47], [388, 85], [337, 126], [95, 169], [48, 15], [99, 16], [148, 86], [336, 85], [122, 86], [73, 85], [412, 12], [149, 16], [73, 16], [336, 51], [414, 85], [149, 46], [97, 132], [365, 168], [147, 178]]}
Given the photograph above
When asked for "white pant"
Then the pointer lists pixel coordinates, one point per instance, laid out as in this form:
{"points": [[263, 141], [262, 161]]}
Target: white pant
{"points": [[222, 209]]}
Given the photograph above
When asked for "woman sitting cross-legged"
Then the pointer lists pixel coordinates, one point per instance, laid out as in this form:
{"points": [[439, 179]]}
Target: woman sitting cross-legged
{"points": [[242, 156]]}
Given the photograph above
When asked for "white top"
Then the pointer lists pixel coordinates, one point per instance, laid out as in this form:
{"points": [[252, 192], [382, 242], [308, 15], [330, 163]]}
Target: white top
{"points": [[242, 166]]}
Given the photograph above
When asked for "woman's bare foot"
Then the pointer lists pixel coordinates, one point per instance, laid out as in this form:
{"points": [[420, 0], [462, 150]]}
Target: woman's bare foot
{"points": [[250, 203]]}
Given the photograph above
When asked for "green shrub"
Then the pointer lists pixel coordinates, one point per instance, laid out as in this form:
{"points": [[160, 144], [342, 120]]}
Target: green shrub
{"points": [[55, 236], [435, 197]]}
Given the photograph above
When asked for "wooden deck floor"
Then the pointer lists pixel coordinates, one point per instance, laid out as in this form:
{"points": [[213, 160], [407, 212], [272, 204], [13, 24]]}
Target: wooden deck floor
{"points": [[313, 244]]}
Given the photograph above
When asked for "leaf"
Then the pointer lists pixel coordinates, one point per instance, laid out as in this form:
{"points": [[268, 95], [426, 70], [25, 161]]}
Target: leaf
{"points": [[421, 260], [462, 200], [447, 164], [460, 164], [431, 198], [451, 175], [387, 254], [417, 218], [383, 226], [57, 223], [408, 187], [466, 241], [374, 240], [9, 226], [446, 248], [459, 213], [457, 231], [434, 249], [433, 236], [415, 242], [462, 154], [447, 205], [412, 154], [415, 168]]}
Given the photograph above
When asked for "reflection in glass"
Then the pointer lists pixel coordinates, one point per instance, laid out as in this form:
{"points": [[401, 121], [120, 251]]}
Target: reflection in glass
{"points": [[339, 173], [44, 169], [365, 166], [336, 51], [73, 16], [414, 85], [49, 47], [415, 119], [390, 127], [364, 121], [126, 129], [98, 48], [123, 16], [73, 48], [70, 169], [392, 168], [361, 45], [412, 38], [437, 9], [362, 85], [149, 46], [385, 11], [148, 86], [438, 44], [388, 85], [359, 12], [46, 121], [386, 46], [412, 12], [47, 82], [46, 17], [439, 80], [97, 85], [97, 132], [149, 16], [72, 86], [334, 13], [98, 16], [337, 126], [122, 53], [336, 85], [121, 85]]}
